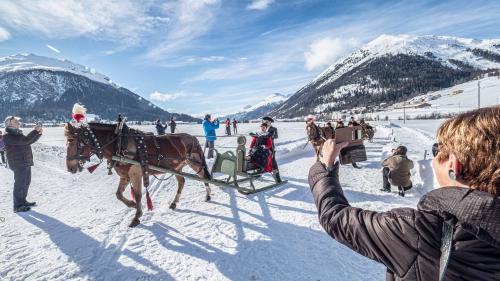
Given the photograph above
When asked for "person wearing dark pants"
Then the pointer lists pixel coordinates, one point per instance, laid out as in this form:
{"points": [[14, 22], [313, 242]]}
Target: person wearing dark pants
{"points": [[20, 160], [2, 149], [22, 181], [209, 127], [235, 126], [210, 145], [172, 125]]}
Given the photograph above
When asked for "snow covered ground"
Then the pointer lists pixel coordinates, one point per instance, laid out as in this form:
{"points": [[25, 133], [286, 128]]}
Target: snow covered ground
{"points": [[459, 98], [79, 229]]}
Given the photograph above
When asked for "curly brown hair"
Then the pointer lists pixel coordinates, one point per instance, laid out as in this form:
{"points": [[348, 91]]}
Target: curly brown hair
{"points": [[474, 138]]}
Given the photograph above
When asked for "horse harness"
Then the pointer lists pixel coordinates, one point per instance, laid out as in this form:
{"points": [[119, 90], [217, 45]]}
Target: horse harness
{"points": [[86, 137]]}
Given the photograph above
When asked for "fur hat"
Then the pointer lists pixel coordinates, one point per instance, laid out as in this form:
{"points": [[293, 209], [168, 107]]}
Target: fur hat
{"points": [[310, 117], [79, 112], [10, 118]]}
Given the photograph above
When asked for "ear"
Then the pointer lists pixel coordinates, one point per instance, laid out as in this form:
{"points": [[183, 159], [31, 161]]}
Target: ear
{"points": [[68, 128], [455, 165]]}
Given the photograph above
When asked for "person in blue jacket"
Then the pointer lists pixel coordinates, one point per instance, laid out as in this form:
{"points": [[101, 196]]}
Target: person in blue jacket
{"points": [[209, 127]]}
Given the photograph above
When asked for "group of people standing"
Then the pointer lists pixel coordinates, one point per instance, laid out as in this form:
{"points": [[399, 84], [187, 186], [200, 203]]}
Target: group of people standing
{"points": [[160, 128], [228, 126]]}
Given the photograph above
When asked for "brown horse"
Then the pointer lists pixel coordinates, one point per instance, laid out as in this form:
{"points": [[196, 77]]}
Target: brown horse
{"points": [[316, 137], [173, 151]]}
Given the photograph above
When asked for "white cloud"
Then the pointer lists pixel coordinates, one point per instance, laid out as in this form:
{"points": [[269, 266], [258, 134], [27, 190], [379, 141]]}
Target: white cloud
{"points": [[325, 51], [190, 20], [124, 21], [259, 4], [53, 48], [157, 96], [4, 34]]}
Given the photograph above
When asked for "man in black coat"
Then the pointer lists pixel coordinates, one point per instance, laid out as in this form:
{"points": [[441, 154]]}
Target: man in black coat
{"points": [[172, 125], [160, 128], [20, 160]]}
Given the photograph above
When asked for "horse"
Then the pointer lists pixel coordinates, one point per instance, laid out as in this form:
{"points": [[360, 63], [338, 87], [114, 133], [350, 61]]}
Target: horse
{"points": [[173, 151], [316, 137]]}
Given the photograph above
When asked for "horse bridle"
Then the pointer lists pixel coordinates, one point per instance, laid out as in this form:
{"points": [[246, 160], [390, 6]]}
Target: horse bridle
{"points": [[86, 137]]}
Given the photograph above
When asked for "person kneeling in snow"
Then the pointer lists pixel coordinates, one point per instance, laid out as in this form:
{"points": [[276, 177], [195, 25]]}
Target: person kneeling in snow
{"points": [[396, 171], [454, 234], [260, 155]]}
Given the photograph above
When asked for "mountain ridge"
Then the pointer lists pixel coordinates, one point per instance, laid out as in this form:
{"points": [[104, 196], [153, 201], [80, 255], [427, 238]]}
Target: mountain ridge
{"points": [[37, 87], [389, 69]]}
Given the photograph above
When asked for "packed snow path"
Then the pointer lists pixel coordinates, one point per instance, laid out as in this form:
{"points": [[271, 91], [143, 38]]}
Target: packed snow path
{"points": [[79, 230]]}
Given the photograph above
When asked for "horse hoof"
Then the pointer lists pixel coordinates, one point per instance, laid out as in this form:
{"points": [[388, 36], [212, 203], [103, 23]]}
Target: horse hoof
{"points": [[208, 198], [134, 223], [172, 206]]}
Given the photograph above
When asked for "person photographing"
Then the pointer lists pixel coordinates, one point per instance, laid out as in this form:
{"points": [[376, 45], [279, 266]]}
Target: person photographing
{"points": [[453, 234], [397, 171], [20, 159], [209, 127]]}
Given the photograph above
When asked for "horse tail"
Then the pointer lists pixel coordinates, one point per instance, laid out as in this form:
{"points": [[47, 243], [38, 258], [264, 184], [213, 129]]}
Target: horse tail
{"points": [[199, 150]]}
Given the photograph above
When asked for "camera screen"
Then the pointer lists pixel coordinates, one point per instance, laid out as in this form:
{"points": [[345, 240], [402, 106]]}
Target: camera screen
{"points": [[356, 135]]}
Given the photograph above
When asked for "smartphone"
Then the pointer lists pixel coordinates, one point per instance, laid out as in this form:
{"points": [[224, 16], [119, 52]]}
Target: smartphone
{"points": [[355, 150]]}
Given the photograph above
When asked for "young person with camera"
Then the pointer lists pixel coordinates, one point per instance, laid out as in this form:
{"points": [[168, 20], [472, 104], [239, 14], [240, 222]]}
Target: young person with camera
{"points": [[209, 127], [454, 234], [20, 159]]}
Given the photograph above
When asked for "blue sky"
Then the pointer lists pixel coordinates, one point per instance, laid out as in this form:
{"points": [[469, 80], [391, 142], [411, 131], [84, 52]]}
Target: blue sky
{"points": [[216, 56]]}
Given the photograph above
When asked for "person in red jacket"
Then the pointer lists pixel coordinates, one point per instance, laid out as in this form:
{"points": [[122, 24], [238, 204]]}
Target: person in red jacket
{"points": [[228, 126], [260, 149]]}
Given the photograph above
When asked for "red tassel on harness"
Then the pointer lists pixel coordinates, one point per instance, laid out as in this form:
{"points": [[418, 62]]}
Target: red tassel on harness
{"points": [[92, 168], [149, 202], [132, 196]]}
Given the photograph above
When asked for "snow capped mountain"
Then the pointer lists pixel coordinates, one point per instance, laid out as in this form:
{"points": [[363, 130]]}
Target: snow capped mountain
{"points": [[31, 62], [36, 87], [393, 67], [259, 109]]}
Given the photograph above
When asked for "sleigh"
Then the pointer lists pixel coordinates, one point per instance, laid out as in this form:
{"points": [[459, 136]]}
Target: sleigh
{"points": [[230, 169], [237, 172]]}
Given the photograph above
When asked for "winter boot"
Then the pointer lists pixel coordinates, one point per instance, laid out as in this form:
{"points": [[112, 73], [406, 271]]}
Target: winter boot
{"points": [[30, 204], [355, 165], [21, 209]]}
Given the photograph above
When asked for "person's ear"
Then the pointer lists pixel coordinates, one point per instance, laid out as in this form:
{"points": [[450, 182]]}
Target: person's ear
{"points": [[454, 167]]}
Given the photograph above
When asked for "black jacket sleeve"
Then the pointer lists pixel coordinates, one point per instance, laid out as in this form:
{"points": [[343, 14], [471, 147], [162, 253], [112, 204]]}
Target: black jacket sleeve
{"points": [[390, 237], [31, 138]]}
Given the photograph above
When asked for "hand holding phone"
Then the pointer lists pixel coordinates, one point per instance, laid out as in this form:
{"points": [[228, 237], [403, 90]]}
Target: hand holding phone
{"points": [[39, 127], [331, 151]]}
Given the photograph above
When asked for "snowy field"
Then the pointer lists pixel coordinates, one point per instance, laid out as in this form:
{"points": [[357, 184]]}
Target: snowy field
{"points": [[79, 229], [456, 99]]}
